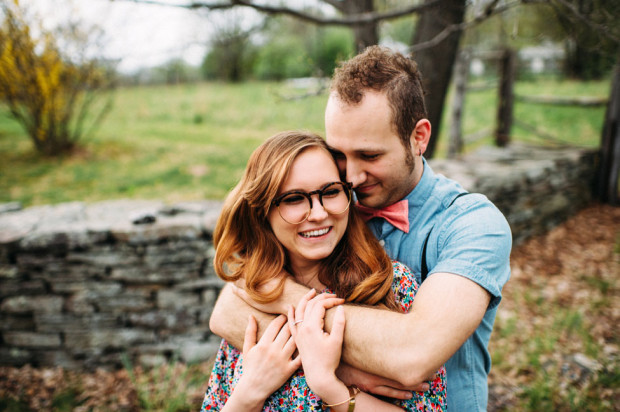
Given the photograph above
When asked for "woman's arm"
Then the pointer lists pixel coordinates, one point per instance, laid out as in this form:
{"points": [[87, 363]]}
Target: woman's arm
{"points": [[266, 365]]}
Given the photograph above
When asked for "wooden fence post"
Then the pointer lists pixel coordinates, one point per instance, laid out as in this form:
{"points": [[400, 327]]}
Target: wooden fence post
{"points": [[607, 183], [506, 97], [461, 72]]}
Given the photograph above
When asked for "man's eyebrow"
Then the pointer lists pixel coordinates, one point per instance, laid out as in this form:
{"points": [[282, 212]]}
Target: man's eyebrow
{"points": [[361, 150]]}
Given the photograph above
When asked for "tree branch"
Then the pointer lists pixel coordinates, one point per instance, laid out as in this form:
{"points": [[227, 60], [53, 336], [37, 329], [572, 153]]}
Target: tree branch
{"points": [[352, 20], [601, 29], [490, 10]]}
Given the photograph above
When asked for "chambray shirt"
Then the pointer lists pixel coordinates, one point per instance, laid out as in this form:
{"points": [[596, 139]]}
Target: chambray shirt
{"points": [[470, 238]]}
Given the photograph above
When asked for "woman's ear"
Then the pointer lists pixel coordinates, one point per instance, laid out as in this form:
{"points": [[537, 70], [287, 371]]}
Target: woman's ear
{"points": [[420, 136]]}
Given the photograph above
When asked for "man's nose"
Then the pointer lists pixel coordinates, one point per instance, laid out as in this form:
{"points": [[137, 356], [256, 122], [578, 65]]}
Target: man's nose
{"points": [[355, 174]]}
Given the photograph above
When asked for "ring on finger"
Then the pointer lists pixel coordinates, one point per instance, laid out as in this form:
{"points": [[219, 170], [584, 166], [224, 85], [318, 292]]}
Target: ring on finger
{"points": [[298, 321]]}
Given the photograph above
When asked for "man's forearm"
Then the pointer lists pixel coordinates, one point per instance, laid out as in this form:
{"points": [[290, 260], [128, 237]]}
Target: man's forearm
{"points": [[230, 314], [230, 317], [409, 348]]}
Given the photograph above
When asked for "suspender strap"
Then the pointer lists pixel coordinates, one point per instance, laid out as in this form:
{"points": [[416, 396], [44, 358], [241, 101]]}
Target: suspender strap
{"points": [[423, 266], [424, 272]]}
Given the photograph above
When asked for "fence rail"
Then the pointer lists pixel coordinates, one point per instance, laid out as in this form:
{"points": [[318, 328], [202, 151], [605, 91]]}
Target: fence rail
{"points": [[504, 119]]}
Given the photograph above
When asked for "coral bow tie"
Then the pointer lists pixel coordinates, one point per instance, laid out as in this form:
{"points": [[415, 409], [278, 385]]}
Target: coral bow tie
{"points": [[397, 214]]}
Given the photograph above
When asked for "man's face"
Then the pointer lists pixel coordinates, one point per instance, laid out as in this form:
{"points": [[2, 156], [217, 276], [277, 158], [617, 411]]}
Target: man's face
{"points": [[368, 150]]}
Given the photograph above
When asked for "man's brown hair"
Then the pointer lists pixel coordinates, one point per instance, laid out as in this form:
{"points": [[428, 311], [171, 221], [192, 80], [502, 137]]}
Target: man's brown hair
{"points": [[383, 70]]}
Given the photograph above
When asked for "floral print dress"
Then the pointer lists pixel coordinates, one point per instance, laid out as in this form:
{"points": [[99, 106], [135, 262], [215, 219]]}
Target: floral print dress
{"points": [[295, 394]]}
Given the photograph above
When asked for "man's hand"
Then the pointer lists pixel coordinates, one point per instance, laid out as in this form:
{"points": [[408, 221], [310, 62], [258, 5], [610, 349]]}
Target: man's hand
{"points": [[291, 294], [375, 384]]}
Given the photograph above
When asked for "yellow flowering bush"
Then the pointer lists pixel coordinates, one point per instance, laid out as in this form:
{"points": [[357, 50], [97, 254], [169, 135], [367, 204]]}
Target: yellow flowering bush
{"points": [[51, 95]]}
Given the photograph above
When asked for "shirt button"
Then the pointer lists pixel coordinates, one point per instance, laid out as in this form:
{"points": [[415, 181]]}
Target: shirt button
{"points": [[382, 242]]}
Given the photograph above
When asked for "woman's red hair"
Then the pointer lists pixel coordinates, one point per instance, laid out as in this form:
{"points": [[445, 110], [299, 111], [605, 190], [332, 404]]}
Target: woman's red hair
{"points": [[358, 269]]}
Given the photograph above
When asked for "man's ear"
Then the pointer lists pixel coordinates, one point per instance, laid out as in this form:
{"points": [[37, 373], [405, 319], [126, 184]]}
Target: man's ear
{"points": [[420, 136]]}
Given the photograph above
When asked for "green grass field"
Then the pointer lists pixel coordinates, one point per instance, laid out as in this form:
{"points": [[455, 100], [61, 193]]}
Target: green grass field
{"points": [[190, 142]]}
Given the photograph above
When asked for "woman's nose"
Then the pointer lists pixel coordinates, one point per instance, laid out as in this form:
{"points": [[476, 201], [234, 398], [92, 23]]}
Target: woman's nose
{"points": [[317, 212]]}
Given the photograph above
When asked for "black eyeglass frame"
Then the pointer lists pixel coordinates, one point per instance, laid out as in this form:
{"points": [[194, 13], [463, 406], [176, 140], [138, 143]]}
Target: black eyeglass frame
{"points": [[308, 195]]}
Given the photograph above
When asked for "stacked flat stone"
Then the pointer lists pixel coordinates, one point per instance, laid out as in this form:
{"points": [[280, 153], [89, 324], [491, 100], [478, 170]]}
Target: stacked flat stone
{"points": [[82, 285]]}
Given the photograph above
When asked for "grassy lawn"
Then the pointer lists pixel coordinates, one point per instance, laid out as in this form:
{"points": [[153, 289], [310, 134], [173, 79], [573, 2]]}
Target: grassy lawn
{"points": [[174, 143], [192, 142]]}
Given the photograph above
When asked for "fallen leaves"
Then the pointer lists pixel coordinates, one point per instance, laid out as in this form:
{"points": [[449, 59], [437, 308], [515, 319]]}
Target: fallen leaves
{"points": [[555, 344]]}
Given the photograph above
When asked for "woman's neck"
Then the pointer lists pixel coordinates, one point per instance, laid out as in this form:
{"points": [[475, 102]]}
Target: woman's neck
{"points": [[308, 275]]}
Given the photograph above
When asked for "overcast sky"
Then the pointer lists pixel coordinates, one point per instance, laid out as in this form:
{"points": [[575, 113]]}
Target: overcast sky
{"points": [[138, 34]]}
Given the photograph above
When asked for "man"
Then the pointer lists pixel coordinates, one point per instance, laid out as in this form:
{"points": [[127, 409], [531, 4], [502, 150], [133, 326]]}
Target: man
{"points": [[459, 246]]}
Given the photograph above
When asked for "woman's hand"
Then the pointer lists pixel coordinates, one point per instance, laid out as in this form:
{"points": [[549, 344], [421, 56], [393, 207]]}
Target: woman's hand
{"points": [[320, 351], [266, 364]]}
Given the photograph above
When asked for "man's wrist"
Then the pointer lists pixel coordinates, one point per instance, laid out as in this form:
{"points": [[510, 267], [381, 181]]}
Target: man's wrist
{"points": [[293, 292]]}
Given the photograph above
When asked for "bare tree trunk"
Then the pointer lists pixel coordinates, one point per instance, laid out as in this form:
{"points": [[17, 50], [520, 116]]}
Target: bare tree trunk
{"points": [[365, 34], [461, 73], [607, 182], [505, 98], [436, 63]]}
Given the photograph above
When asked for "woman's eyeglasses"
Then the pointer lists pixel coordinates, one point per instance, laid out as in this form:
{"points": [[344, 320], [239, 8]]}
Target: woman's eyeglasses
{"points": [[295, 206]]}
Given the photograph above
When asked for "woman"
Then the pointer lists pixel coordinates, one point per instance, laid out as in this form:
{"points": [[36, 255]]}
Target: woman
{"points": [[290, 211]]}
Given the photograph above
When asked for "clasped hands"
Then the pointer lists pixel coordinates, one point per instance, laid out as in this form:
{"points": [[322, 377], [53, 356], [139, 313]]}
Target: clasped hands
{"points": [[311, 334], [268, 363]]}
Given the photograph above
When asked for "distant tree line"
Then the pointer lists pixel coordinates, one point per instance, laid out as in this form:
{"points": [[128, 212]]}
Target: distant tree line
{"points": [[286, 50]]}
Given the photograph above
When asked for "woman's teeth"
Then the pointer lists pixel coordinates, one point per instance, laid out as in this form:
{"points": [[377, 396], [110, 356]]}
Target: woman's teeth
{"points": [[315, 233]]}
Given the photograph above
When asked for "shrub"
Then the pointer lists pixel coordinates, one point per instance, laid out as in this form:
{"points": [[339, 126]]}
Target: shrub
{"points": [[53, 96]]}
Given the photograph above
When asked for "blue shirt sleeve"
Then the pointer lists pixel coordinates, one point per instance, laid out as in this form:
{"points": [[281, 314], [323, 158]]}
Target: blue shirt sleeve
{"points": [[474, 241]]}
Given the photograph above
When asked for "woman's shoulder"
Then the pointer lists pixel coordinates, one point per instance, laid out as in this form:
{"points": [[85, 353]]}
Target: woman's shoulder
{"points": [[402, 272], [404, 285]]}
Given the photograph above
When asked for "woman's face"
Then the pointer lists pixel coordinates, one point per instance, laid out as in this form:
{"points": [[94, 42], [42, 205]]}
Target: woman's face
{"points": [[315, 238]]}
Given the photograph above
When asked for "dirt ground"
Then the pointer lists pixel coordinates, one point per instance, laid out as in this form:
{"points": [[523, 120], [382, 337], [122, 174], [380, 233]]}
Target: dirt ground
{"points": [[573, 269], [555, 344]]}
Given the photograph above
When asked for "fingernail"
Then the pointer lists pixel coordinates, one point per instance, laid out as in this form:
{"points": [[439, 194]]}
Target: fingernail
{"points": [[425, 386], [409, 395]]}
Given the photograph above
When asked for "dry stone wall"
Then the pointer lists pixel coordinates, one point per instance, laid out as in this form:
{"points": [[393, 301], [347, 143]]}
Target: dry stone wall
{"points": [[84, 285], [81, 285]]}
